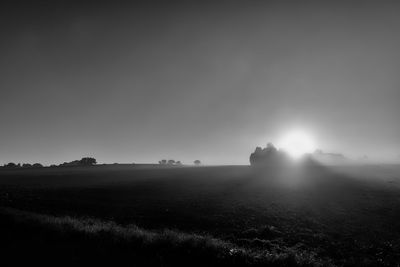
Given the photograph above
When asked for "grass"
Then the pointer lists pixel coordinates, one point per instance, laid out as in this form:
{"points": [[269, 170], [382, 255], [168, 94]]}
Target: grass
{"points": [[70, 240]]}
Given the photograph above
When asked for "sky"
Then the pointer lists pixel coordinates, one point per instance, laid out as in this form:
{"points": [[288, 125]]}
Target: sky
{"points": [[196, 80]]}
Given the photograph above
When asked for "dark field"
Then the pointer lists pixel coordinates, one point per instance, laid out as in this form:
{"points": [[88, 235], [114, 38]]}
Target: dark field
{"points": [[336, 215]]}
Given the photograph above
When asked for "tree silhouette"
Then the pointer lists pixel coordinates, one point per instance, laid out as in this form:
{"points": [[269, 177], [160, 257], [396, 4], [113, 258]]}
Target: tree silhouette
{"points": [[197, 162], [268, 155], [11, 165], [88, 161], [37, 165]]}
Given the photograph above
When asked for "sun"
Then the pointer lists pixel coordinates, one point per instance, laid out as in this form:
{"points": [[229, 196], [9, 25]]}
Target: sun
{"points": [[297, 143]]}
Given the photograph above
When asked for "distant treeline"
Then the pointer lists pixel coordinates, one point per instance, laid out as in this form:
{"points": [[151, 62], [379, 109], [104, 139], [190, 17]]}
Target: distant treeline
{"points": [[13, 165], [86, 161], [172, 162]]}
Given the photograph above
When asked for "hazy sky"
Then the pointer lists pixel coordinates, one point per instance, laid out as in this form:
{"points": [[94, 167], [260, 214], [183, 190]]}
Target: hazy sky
{"points": [[138, 83]]}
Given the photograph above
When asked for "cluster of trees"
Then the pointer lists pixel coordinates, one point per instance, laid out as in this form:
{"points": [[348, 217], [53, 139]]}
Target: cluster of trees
{"points": [[86, 161], [268, 155], [172, 162], [13, 165]]}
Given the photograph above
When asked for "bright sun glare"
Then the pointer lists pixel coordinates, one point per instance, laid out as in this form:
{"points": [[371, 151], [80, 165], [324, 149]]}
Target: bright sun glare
{"points": [[297, 143]]}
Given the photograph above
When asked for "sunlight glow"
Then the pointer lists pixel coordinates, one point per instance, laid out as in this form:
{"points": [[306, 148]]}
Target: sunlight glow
{"points": [[297, 143]]}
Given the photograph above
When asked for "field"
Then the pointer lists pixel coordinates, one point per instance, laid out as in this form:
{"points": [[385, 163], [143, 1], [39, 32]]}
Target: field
{"points": [[299, 215]]}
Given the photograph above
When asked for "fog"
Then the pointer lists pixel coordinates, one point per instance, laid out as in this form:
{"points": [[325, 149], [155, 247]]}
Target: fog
{"points": [[142, 82]]}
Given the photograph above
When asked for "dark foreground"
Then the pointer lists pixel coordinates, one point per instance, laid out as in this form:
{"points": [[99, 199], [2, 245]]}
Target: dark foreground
{"points": [[221, 216], [29, 238]]}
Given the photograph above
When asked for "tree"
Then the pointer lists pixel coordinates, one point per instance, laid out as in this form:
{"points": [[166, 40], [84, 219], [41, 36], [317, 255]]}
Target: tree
{"points": [[269, 155], [88, 161], [26, 165], [178, 163], [171, 162], [37, 165], [11, 165], [255, 155], [163, 162], [72, 163], [197, 162]]}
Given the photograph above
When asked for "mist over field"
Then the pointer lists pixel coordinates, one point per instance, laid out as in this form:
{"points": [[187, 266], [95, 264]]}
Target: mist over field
{"points": [[200, 133]]}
